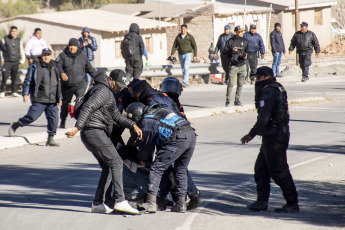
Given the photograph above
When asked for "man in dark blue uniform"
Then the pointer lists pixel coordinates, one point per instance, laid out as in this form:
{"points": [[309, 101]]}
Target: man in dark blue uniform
{"points": [[305, 41], [174, 139], [273, 125]]}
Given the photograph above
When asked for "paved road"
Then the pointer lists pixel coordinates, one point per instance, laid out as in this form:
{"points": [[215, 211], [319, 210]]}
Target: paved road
{"points": [[52, 188], [193, 98]]}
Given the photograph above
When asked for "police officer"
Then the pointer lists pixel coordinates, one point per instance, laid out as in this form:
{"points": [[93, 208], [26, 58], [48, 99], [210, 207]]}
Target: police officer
{"points": [[273, 125], [174, 139], [305, 41], [255, 44], [237, 49], [224, 57], [172, 87]]}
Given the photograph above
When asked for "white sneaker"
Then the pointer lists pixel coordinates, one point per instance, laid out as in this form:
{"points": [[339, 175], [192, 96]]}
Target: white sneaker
{"points": [[2, 95], [125, 207], [15, 95], [102, 208]]}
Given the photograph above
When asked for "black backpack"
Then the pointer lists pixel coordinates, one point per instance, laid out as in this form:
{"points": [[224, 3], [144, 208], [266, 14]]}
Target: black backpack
{"points": [[128, 47], [79, 101]]}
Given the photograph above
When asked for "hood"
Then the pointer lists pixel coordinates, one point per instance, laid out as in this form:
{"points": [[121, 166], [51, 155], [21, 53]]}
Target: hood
{"points": [[33, 37], [134, 28], [85, 29], [102, 78]]}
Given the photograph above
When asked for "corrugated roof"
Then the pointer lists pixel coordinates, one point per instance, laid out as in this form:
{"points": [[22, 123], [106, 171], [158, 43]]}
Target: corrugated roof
{"points": [[289, 3], [96, 20], [152, 9]]}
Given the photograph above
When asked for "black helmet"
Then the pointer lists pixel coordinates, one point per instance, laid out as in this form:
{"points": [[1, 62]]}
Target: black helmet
{"points": [[141, 87], [171, 85], [135, 111]]}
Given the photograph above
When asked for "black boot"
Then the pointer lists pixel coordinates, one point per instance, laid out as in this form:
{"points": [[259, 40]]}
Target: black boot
{"points": [[151, 203], [13, 127], [288, 208], [258, 206], [62, 124], [237, 103], [51, 141], [180, 205], [161, 204], [195, 201]]}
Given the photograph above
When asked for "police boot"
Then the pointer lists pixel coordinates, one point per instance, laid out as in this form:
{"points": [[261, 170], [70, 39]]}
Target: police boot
{"points": [[151, 205], [258, 206], [62, 124], [288, 208], [51, 141], [195, 201], [161, 203], [180, 205]]}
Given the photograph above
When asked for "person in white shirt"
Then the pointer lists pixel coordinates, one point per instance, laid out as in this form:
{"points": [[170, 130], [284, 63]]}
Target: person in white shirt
{"points": [[35, 45]]}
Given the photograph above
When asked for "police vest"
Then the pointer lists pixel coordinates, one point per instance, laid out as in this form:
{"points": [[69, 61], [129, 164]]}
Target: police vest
{"points": [[280, 112], [170, 124], [12, 53]]}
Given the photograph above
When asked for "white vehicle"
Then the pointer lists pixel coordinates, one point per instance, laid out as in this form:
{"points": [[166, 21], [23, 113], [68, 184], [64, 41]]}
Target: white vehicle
{"points": [[338, 30]]}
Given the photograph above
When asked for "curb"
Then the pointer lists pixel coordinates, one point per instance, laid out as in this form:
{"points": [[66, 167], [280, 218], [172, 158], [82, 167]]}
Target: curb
{"points": [[34, 138]]}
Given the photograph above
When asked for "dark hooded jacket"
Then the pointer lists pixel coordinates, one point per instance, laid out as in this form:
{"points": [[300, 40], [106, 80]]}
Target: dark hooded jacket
{"points": [[134, 31], [99, 111], [75, 66]]}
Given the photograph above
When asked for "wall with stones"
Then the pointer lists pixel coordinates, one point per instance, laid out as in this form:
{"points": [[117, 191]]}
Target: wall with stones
{"points": [[338, 12]]}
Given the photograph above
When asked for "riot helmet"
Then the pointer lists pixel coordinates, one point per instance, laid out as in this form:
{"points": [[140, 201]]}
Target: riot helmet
{"points": [[135, 111], [171, 85]]}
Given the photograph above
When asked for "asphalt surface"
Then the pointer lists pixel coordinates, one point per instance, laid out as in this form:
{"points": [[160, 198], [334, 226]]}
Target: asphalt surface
{"points": [[52, 188]]}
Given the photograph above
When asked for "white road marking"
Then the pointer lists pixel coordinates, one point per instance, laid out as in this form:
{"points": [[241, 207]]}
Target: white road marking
{"points": [[189, 221]]}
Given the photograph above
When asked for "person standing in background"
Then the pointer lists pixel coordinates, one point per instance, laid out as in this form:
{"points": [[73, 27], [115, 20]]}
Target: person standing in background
{"points": [[35, 45], [278, 48]]}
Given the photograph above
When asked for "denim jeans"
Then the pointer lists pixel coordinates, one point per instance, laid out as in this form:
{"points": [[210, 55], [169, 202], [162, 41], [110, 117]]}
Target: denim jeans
{"points": [[276, 62], [185, 61], [35, 111], [97, 142], [88, 76]]}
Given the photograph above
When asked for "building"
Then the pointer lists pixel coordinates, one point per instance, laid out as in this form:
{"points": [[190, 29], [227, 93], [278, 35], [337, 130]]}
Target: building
{"points": [[108, 28]]}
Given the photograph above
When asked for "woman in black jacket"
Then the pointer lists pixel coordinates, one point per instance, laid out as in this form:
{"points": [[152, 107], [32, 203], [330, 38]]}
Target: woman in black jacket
{"points": [[95, 120]]}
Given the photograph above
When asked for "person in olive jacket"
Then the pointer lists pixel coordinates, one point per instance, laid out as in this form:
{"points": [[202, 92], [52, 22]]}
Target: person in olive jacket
{"points": [[73, 66], [185, 45]]}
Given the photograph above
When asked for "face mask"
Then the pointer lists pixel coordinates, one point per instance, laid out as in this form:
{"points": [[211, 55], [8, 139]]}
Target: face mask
{"points": [[261, 84]]}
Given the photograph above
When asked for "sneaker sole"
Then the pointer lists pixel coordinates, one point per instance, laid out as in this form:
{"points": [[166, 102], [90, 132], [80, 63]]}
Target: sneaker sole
{"points": [[125, 212]]}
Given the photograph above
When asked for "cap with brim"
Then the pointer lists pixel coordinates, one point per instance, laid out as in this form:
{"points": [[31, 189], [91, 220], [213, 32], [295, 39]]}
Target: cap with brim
{"points": [[264, 71], [119, 77], [227, 27], [304, 24], [252, 26], [239, 29], [46, 51]]}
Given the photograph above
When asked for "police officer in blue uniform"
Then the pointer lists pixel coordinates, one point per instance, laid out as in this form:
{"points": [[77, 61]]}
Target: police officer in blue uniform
{"points": [[273, 125], [174, 139]]}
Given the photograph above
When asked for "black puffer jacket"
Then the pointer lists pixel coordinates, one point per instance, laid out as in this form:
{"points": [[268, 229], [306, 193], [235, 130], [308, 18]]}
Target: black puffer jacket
{"points": [[100, 111], [75, 66], [305, 42]]}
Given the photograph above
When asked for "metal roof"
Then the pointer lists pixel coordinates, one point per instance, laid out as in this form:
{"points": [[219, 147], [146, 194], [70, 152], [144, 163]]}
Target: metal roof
{"points": [[96, 20], [304, 3]]}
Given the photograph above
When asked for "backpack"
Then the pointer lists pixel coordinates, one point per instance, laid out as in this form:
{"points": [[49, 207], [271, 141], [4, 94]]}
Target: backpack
{"points": [[128, 46], [75, 107]]}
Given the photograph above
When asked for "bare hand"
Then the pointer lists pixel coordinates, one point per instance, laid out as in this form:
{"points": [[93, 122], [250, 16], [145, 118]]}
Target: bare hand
{"points": [[290, 52], [245, 57], [317, 54], [284, 53], [246, 139], [73, 132], [2, 62], [138, 131], [25, 98], [85, 44], [64, 77], [142, 163], [89, 41], [147, 58], [214, 55], [60, 103], [234, 49], [275, 53], [262, 56], [195, 59]]}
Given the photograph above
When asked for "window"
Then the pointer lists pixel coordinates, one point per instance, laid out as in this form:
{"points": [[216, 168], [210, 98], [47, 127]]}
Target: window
{"points": [[57, 49], [118, 49], [318, 17], [149, 45]]}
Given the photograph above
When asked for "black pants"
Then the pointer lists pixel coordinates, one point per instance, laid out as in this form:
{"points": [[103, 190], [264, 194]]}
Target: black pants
{"points": [[36, 110], [272, 163], [98, 142], [304, 63], [67, 94], [134, 68], [225, 60], [178, 151], [252, 63], [10, 68]]}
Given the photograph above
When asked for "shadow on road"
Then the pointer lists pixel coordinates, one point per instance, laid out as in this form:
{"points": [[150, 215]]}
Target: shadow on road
{"points": [[340, 149]]}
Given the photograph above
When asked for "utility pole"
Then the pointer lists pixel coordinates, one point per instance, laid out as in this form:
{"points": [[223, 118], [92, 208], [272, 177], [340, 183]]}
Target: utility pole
{"points": [[296, 24]]}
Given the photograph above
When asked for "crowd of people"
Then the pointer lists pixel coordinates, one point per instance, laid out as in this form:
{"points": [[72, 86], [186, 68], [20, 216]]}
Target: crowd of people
{"points": [[149, 171]]}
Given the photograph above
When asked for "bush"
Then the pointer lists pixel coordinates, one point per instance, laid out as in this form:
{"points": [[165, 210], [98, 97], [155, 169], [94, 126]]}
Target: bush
{"points": [[11, 9]]}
